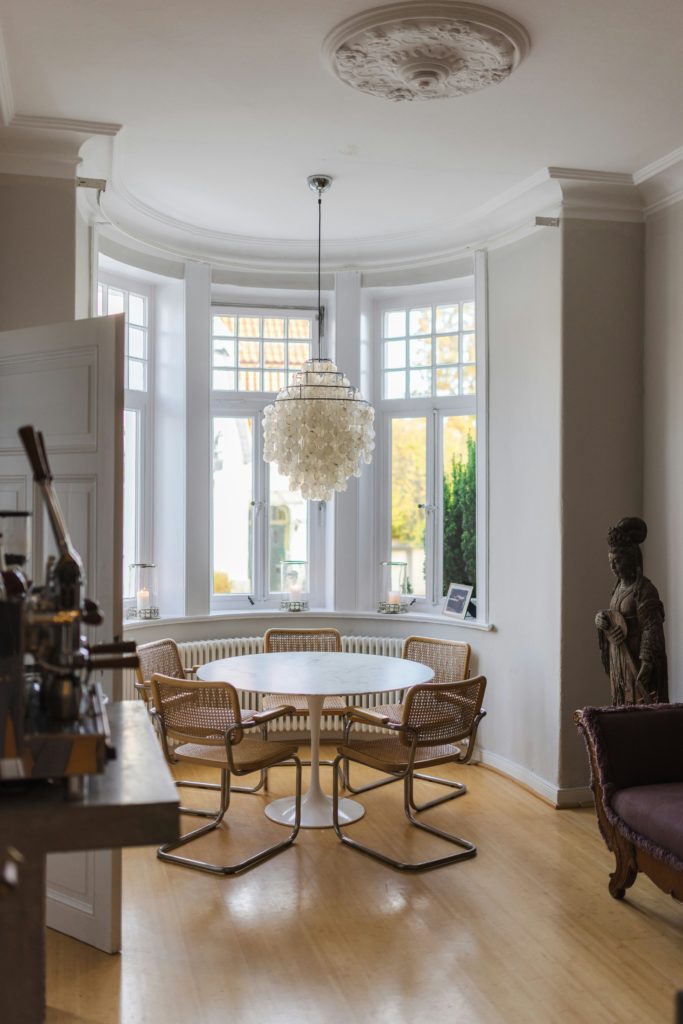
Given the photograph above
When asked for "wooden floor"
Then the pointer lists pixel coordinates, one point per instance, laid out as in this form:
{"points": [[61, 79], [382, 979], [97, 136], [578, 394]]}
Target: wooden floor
{"points": [[525, 932]]}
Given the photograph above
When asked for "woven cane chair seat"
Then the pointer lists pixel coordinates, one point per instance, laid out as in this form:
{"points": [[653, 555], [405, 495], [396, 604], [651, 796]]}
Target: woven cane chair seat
{"points": [[392, 754], [324, 640], [249, 755]]}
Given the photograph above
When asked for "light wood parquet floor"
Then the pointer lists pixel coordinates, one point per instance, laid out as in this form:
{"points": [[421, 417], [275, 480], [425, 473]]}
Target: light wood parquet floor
{"points": [[525, 932]]}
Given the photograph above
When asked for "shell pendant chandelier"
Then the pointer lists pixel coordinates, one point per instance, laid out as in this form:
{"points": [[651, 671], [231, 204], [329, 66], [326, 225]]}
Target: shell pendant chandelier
{"points": [[319, 430]]}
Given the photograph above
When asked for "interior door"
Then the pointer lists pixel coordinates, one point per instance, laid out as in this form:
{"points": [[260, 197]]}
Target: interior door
{"points": [[67, 381]]}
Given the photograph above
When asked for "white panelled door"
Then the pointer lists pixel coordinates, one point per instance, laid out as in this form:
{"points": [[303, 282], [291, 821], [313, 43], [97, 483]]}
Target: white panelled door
{"points": [[66, 380]]}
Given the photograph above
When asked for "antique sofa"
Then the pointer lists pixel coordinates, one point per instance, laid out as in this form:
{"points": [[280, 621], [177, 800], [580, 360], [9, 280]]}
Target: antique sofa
{"points": [[636, 760]]}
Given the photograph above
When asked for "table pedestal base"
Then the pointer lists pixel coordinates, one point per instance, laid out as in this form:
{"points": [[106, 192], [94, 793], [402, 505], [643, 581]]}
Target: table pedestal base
{"points": [[316, 811]]}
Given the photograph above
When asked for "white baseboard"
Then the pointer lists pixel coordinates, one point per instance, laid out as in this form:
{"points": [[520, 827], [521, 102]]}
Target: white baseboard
{"points": [[572, 796]]}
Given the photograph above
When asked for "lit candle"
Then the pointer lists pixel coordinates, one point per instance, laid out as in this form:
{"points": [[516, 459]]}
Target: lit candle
{"points": [[143, 599], [295, 592], [394, 597]]}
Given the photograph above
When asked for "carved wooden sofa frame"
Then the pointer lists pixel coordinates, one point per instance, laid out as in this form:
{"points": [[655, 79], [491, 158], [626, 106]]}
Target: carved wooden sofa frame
{"points": [[636, 761]]}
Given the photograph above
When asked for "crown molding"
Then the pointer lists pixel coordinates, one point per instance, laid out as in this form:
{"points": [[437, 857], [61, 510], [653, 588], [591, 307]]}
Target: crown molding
{"points": [[661, 182], [65, 124]]}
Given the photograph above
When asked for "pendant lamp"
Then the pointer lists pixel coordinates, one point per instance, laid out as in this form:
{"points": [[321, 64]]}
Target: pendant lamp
{"points": [[319, 430]]}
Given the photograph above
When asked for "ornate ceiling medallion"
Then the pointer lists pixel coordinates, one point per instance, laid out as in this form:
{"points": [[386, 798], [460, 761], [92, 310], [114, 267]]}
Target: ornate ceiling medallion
{"points": [[425, 51]]}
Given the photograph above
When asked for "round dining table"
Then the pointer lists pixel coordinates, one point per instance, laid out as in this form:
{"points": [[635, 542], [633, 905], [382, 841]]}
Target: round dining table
{"points": [[315, 675]]}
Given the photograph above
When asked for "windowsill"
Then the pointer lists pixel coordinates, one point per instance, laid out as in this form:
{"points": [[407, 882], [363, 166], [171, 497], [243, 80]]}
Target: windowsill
{"points": [[322, 613]]}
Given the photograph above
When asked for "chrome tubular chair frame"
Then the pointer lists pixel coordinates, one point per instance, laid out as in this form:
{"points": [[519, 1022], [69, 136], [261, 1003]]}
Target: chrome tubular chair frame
{"points": [[286, 755], [163, 657], [450, 660], [419, 739]]}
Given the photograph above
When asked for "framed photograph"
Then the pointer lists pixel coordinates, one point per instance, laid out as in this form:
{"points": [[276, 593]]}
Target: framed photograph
{"points": [[457, 600]]}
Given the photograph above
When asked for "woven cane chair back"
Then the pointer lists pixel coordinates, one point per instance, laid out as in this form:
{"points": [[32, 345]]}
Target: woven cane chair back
{"points": [[326, 640], [450, 659], [161, 656], [443, 712], [191, 711]]}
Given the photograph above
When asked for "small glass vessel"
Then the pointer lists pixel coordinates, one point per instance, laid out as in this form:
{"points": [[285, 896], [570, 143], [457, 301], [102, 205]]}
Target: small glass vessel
{"points": [[294, 583], [393, 597], [145, 604]]}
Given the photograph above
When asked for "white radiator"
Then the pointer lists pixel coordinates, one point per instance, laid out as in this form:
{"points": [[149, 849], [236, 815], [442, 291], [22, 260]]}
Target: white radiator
{"points": [[200, 651]]}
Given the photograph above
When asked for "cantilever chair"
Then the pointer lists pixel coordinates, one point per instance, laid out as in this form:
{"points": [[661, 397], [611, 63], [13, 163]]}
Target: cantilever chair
{"points": [[207, 720], [163, 658], [303, 640], [450, 660], [434, 718]]}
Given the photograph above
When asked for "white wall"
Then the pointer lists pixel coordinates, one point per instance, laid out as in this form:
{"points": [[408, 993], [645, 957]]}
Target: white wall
{"points": [[663, 481]]}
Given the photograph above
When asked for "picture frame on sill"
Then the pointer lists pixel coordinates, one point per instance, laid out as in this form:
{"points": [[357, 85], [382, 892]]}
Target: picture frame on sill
{"points": [[457, 600]]}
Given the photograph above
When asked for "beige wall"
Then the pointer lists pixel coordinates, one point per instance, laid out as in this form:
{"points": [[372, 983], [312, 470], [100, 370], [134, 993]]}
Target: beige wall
{"points": [[37, 251], [663, 483], [602, 423]]}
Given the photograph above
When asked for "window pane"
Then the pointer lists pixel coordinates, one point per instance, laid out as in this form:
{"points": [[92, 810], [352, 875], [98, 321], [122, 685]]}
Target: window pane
{"points": [[274, 354], [395, 324], [469, 380], [408, 490], [273, 327], [288, 527], [136, 375], [395, 384], [114, 300], [394, 354], [249, 353], [130, 496], [224, 353], [249, 326], [299, 328], [297, 353], [249, 380], [469, 349], [232, 497], [136, 342], [447, 383], [459, 501], [421, 320], [136, 310], [446, 318], [467, 316], [223, 326], [420, 383], [273, 380], [224, 380], [447, 349], [420, 351]]}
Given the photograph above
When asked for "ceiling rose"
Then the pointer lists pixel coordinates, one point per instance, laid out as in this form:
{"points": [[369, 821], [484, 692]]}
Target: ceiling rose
{"points": [[425, 51]]}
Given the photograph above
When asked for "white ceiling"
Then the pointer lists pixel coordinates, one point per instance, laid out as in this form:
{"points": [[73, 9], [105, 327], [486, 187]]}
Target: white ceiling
{"points": [[226, 108]]}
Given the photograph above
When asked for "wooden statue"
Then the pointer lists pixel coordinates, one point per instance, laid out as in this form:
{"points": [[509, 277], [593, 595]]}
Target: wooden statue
{"points": [[631, 631]]}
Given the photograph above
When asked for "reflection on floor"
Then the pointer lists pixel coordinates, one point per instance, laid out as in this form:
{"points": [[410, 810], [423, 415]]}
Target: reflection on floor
{"points": [[525, 932]]}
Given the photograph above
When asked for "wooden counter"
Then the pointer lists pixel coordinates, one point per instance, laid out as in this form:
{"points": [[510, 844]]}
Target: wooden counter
{"points": [[133, 803]]}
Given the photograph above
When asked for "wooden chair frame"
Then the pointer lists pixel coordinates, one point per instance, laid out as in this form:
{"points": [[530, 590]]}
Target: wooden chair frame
{"points": [[233, 736]]}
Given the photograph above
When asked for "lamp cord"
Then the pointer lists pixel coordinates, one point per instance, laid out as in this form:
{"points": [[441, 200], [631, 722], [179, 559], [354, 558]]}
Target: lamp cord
{"points": [[320, 319]]}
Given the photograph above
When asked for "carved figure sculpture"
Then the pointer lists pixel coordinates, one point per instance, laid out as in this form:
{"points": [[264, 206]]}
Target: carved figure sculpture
{"points": [[631, 631]]}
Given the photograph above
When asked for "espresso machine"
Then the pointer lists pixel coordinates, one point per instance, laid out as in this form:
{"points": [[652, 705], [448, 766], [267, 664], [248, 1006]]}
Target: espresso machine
{"points": [[53, 720]]}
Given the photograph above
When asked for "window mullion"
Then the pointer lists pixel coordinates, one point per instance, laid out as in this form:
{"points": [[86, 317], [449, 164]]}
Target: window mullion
{"points": [[261, 511], [433, 505]]}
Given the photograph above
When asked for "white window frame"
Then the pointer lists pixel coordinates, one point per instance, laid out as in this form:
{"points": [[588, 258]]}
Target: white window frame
{"points": [[251, 404], [434, 409], [141, 402]]}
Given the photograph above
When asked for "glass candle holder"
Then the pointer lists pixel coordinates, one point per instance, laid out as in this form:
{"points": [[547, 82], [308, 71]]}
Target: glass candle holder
{"points": [[143, 585], [393, 598], [294, 583]]}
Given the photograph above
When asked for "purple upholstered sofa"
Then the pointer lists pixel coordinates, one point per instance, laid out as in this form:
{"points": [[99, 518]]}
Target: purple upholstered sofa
{"points": [[636, 759]]}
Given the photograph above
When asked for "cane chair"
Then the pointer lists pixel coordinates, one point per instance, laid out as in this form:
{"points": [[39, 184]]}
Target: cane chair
{"points": [[207, 721], [450, 660], [163, 658], [434, 718]]}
